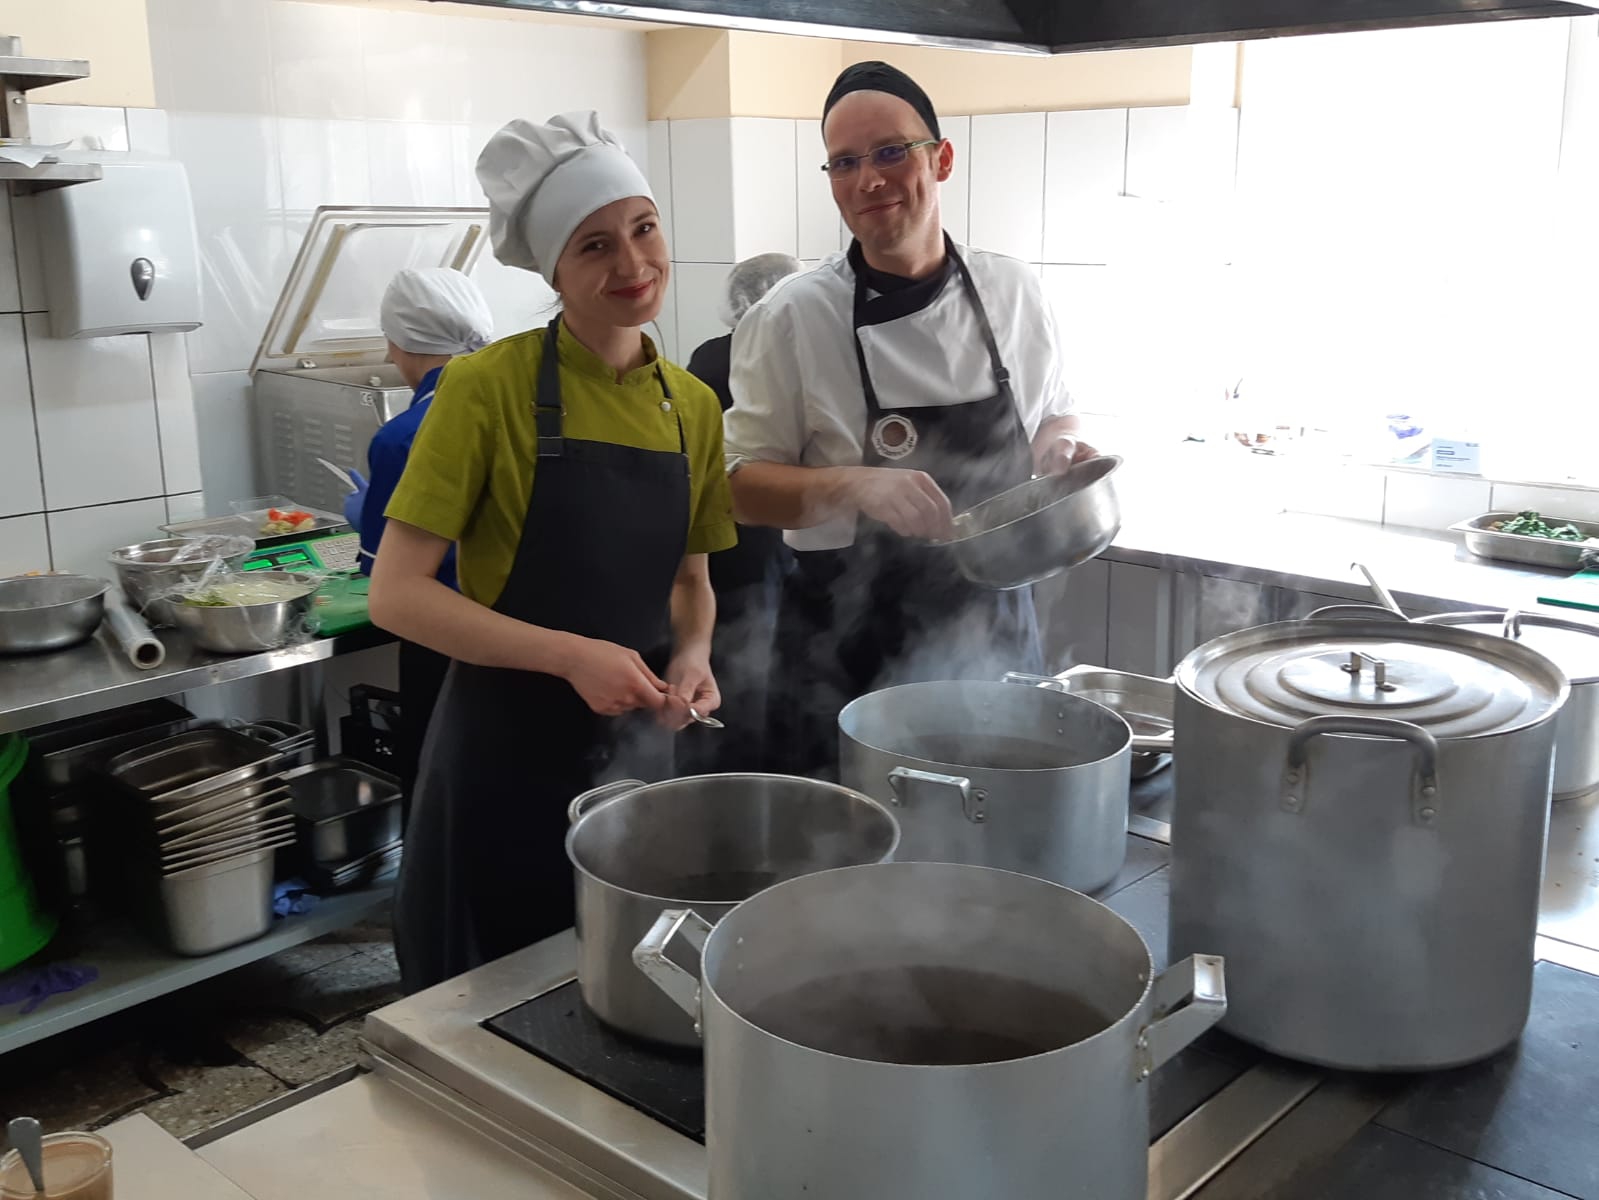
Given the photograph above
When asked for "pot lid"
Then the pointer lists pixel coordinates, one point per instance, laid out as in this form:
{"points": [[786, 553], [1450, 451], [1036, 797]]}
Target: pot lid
{"points": [[1453, 682], [327, 313], [1572, 645]]}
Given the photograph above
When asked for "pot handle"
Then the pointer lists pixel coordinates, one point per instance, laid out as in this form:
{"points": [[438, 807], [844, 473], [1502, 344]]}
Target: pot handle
{"points": [[1188, 999], [974, 801], [681, 987], [1424, 799], [1031, 680], [594, 796], [1512, 626]]}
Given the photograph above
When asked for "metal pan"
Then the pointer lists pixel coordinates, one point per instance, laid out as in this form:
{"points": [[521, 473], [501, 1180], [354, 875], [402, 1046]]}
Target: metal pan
{"points": [[1518, 547]]}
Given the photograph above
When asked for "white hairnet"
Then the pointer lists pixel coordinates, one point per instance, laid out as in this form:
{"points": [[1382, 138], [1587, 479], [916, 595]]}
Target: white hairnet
{"points": [[435, 310], [752, 279], [543, 181]]}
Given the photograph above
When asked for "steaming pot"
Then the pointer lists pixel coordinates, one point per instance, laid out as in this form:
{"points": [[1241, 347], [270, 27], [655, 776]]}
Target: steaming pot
{"points": [[1001, 775], [706, 841], [1360, 823], [927, 1031]]}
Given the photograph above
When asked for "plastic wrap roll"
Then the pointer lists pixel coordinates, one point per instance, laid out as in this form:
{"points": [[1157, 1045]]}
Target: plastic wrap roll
{"points": [[143, 648]]}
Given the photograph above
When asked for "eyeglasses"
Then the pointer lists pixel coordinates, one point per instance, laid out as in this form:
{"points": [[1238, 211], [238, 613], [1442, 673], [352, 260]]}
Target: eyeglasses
{"points": [[884, 158]]}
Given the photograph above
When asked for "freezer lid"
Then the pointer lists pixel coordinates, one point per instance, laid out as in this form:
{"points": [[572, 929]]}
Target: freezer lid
{"points": [[327, 314]]}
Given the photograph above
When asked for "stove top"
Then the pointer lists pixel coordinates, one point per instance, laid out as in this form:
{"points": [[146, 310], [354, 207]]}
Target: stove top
{"points": [[511, 1048], [668, 1085]]}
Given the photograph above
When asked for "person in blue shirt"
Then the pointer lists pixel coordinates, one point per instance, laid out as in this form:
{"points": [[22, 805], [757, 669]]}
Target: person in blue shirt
{"points": [[429, 316]]}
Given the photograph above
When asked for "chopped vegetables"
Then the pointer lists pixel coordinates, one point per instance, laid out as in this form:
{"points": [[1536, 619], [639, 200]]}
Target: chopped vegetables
{"points": [[1530, 524], [248, 590], [287, 520]]}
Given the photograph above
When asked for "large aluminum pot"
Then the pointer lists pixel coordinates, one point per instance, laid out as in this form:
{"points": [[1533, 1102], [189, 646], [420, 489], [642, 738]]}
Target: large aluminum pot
{"points": [[927, 1031], [995, 775], [1574, 648], [1040, 528], [708, 841], [1360, 822]]}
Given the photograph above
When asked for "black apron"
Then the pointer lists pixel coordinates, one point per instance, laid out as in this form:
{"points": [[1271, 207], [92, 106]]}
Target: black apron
{"points": [[889, 610], [485, 870]]}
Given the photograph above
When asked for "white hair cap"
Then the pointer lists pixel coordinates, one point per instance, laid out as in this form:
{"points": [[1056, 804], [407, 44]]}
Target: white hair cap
{"points": [[752, 279], [435, 310], [543, 181]]}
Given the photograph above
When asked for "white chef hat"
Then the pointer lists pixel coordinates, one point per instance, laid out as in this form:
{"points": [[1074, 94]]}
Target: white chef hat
{"points": [[543, 181], [435, 310]]}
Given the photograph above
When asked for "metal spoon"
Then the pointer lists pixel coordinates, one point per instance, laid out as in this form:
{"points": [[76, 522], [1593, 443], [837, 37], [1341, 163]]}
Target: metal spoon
{"points": [[708, 722], [25, 1136]]}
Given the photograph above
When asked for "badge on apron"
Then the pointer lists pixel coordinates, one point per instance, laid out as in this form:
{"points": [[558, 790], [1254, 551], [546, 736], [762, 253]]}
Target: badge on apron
{"points": [[894, 436]]}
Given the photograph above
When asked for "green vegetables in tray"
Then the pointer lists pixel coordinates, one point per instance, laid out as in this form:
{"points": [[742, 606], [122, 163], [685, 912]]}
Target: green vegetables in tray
{"points": [[1530, 524]]}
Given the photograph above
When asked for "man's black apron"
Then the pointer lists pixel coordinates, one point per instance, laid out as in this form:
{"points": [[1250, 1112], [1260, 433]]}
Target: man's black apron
{"points": [[485, 869], [889, 610]]}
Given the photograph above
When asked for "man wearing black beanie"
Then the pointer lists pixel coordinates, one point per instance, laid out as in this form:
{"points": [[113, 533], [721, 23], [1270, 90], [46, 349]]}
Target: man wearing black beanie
{"points": [[875, 397]]}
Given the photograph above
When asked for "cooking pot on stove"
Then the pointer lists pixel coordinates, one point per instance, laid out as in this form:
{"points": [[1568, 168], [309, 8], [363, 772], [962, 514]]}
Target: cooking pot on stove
{"points": [[1001, 775], [1360, 822], [929, 1031], [705, 841], [1574, 648]]}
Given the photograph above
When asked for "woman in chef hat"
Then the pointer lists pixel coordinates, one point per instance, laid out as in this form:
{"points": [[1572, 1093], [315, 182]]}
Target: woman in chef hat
{"points": [[580, 475]]}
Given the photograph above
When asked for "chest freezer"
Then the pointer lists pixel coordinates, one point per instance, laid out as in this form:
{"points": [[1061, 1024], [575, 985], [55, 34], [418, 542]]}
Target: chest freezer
{"points": [[321, 381]]}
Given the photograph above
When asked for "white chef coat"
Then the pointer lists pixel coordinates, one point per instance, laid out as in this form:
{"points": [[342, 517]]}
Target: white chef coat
{"points": [[796, 385]]}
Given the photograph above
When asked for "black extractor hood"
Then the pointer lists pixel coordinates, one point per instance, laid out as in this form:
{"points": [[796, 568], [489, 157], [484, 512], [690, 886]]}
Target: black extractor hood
{"points": [[1057, 26]]}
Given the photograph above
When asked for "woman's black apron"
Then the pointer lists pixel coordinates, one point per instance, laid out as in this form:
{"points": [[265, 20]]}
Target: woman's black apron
{"points": [[889, 610], [485, 869]]}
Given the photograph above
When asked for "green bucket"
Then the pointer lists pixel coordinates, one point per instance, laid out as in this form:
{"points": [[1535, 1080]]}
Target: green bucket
{"points": [[24, 928]]}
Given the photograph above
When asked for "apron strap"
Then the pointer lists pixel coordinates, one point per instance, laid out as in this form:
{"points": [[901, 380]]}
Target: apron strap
{"points": [[547, 409], [547, 397], [860, 318]]}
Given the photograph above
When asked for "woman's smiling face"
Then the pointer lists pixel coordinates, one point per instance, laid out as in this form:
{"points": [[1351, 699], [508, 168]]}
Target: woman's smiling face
{"points": [[615, 268]]}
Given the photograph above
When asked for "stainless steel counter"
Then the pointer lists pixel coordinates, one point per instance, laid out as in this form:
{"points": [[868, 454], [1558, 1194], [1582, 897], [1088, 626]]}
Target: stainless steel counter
{"points": [[1428, 571], [97, 675]]}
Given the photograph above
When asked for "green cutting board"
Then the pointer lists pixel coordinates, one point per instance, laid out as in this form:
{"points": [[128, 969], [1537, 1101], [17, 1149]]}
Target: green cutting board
{"points": [[1580, 591], [341, 605]]}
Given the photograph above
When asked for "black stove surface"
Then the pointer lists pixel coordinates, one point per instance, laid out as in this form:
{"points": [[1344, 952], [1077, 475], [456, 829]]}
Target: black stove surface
{"points": [[670, 1086], [559, 1028], [1532, 1111]]}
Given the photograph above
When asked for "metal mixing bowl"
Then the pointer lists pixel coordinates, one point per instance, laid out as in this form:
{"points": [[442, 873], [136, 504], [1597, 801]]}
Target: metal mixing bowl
{"points": [[246, 628], [1039, 528], [147, 571], [49, 612]]}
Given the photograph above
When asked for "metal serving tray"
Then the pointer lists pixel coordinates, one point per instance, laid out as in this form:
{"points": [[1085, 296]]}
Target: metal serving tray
{"points": [[1518, 547]]}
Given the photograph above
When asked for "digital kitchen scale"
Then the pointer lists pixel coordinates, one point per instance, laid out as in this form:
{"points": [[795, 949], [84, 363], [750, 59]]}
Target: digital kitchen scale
{"points": [[337, 551]]}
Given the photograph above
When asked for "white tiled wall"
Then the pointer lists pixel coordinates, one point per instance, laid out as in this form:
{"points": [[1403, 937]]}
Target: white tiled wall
{"points": [[274, 107]]}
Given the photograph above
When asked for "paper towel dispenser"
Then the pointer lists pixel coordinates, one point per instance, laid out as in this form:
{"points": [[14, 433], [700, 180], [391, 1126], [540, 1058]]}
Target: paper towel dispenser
{"points": [[120, 254]]}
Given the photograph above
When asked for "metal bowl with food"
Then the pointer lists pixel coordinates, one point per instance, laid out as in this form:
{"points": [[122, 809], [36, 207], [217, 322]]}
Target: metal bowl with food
{"points": [[149, 571], [243, 614], [39, 613], [1039, 528]]}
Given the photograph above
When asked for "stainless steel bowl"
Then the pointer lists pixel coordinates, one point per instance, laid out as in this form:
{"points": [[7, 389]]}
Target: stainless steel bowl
{"points": [[1040, 528], [147, 571], [245, 628], [39, 613]]}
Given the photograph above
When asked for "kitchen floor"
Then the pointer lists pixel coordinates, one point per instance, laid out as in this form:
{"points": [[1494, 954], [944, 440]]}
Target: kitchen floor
{"points": [[197, 1058]]}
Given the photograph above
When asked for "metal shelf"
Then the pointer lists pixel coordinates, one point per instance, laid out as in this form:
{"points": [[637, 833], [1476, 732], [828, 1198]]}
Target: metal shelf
{"points": [[133, 970], [28, 181], [96, 675], [23, 74]]}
